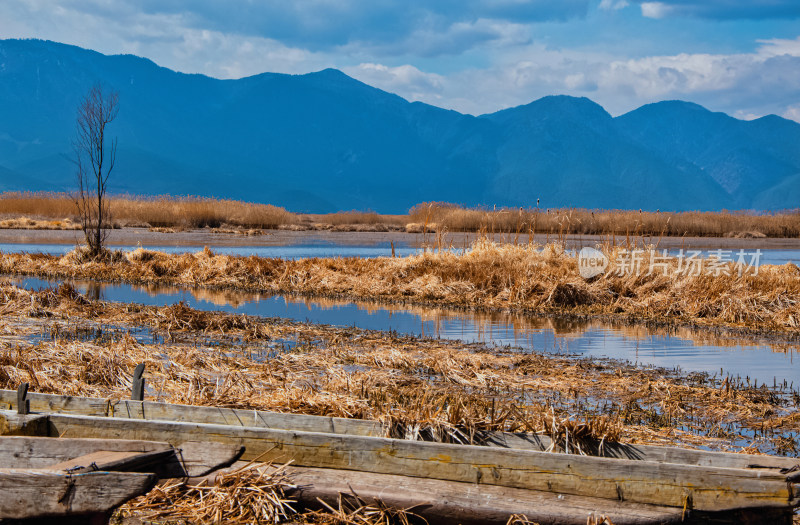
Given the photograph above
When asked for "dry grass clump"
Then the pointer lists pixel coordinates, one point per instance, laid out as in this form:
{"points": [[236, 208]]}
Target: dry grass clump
{"points": [[25, 223], [254, 493], [198, 212], [607, 222], [352, 510]]}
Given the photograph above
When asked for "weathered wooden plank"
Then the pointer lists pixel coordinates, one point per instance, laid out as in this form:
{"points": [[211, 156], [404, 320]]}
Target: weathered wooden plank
{"points": [[643, 452], [13, 424], [701, 458], [706, 488], [451, 502], [118, 461], [28, 494], [359, 427], [187, 459], [246, 418], [448, 502], [200, 458], [44, 452], [89, 406]]}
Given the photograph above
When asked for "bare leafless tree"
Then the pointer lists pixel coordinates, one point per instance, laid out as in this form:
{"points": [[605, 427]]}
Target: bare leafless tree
{"points": [[95, 155]]}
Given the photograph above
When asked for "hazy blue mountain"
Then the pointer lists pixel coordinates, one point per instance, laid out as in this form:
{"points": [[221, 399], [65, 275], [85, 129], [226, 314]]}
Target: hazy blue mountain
{"points": [[748, 159], [8, 180], [567, 150], [324, 141]]}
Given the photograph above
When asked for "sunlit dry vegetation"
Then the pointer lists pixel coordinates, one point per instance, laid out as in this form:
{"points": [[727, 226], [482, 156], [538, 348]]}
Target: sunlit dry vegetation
{"points": [[178, 213], [522, 277], [424, 389], [26, 223], [186, 212], [61, 342], [607, 222]]}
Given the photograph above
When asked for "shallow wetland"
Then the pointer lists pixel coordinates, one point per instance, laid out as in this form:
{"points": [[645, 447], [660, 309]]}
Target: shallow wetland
{"points": [[526, 354]]}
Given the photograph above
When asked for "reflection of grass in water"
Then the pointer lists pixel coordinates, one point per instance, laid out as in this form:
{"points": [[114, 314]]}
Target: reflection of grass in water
{"points": [[483, 321], [489, 276]]}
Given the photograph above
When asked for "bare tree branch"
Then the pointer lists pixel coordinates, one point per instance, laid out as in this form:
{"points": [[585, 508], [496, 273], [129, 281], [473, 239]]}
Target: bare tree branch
{"points": [[94, 160]]}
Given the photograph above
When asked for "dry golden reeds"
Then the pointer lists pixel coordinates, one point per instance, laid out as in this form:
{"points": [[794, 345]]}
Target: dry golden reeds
{"points": [[157, 212], [522, 278], [254, 493], [352, 510], [173, 213], [564, 221], [420, 388]]}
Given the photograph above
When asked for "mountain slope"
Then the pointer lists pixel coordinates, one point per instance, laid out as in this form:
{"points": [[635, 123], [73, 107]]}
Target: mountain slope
{"points": [[324, 141], [578, 140], [747, 159]]}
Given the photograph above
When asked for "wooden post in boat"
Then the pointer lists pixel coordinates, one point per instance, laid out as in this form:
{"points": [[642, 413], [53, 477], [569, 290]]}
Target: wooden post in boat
{"points": [[23, 404], [137, 384]]}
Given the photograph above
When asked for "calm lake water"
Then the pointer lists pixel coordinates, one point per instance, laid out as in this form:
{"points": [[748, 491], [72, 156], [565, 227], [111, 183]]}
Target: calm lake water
{"points": [[292, 251], [689, 350]]}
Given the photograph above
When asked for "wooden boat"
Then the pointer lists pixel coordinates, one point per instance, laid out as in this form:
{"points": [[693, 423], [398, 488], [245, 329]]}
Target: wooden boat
{"points": [[448, 482]]}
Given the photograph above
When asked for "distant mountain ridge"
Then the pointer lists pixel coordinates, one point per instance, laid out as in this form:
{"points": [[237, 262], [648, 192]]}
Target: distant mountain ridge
{"points": [[324, 142]]}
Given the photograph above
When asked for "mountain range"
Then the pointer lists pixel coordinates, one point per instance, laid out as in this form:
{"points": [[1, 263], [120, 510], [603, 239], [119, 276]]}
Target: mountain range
{"points": [[324, 141]]}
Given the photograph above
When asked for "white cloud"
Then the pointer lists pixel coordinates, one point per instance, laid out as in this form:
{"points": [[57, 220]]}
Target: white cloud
{"points": [[722, 9], [779, 46], [162, 38], [613, 5], [405, 80], [792, 113], [747, 85], [655, 9], [744, 115]]}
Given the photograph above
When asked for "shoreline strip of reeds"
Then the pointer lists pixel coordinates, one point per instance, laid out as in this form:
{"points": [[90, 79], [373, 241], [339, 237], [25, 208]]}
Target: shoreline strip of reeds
{"points": [[175, 213]]}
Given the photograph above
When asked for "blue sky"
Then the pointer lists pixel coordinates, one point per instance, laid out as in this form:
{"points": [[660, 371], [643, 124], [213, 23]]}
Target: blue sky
{"points": [[475, 56]]}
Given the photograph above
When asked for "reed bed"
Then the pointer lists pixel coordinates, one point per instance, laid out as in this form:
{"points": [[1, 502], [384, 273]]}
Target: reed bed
{"points": [[157, 212], [358, 217], [566, 221], [518, 278], [196, 212], [425, 389]]}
